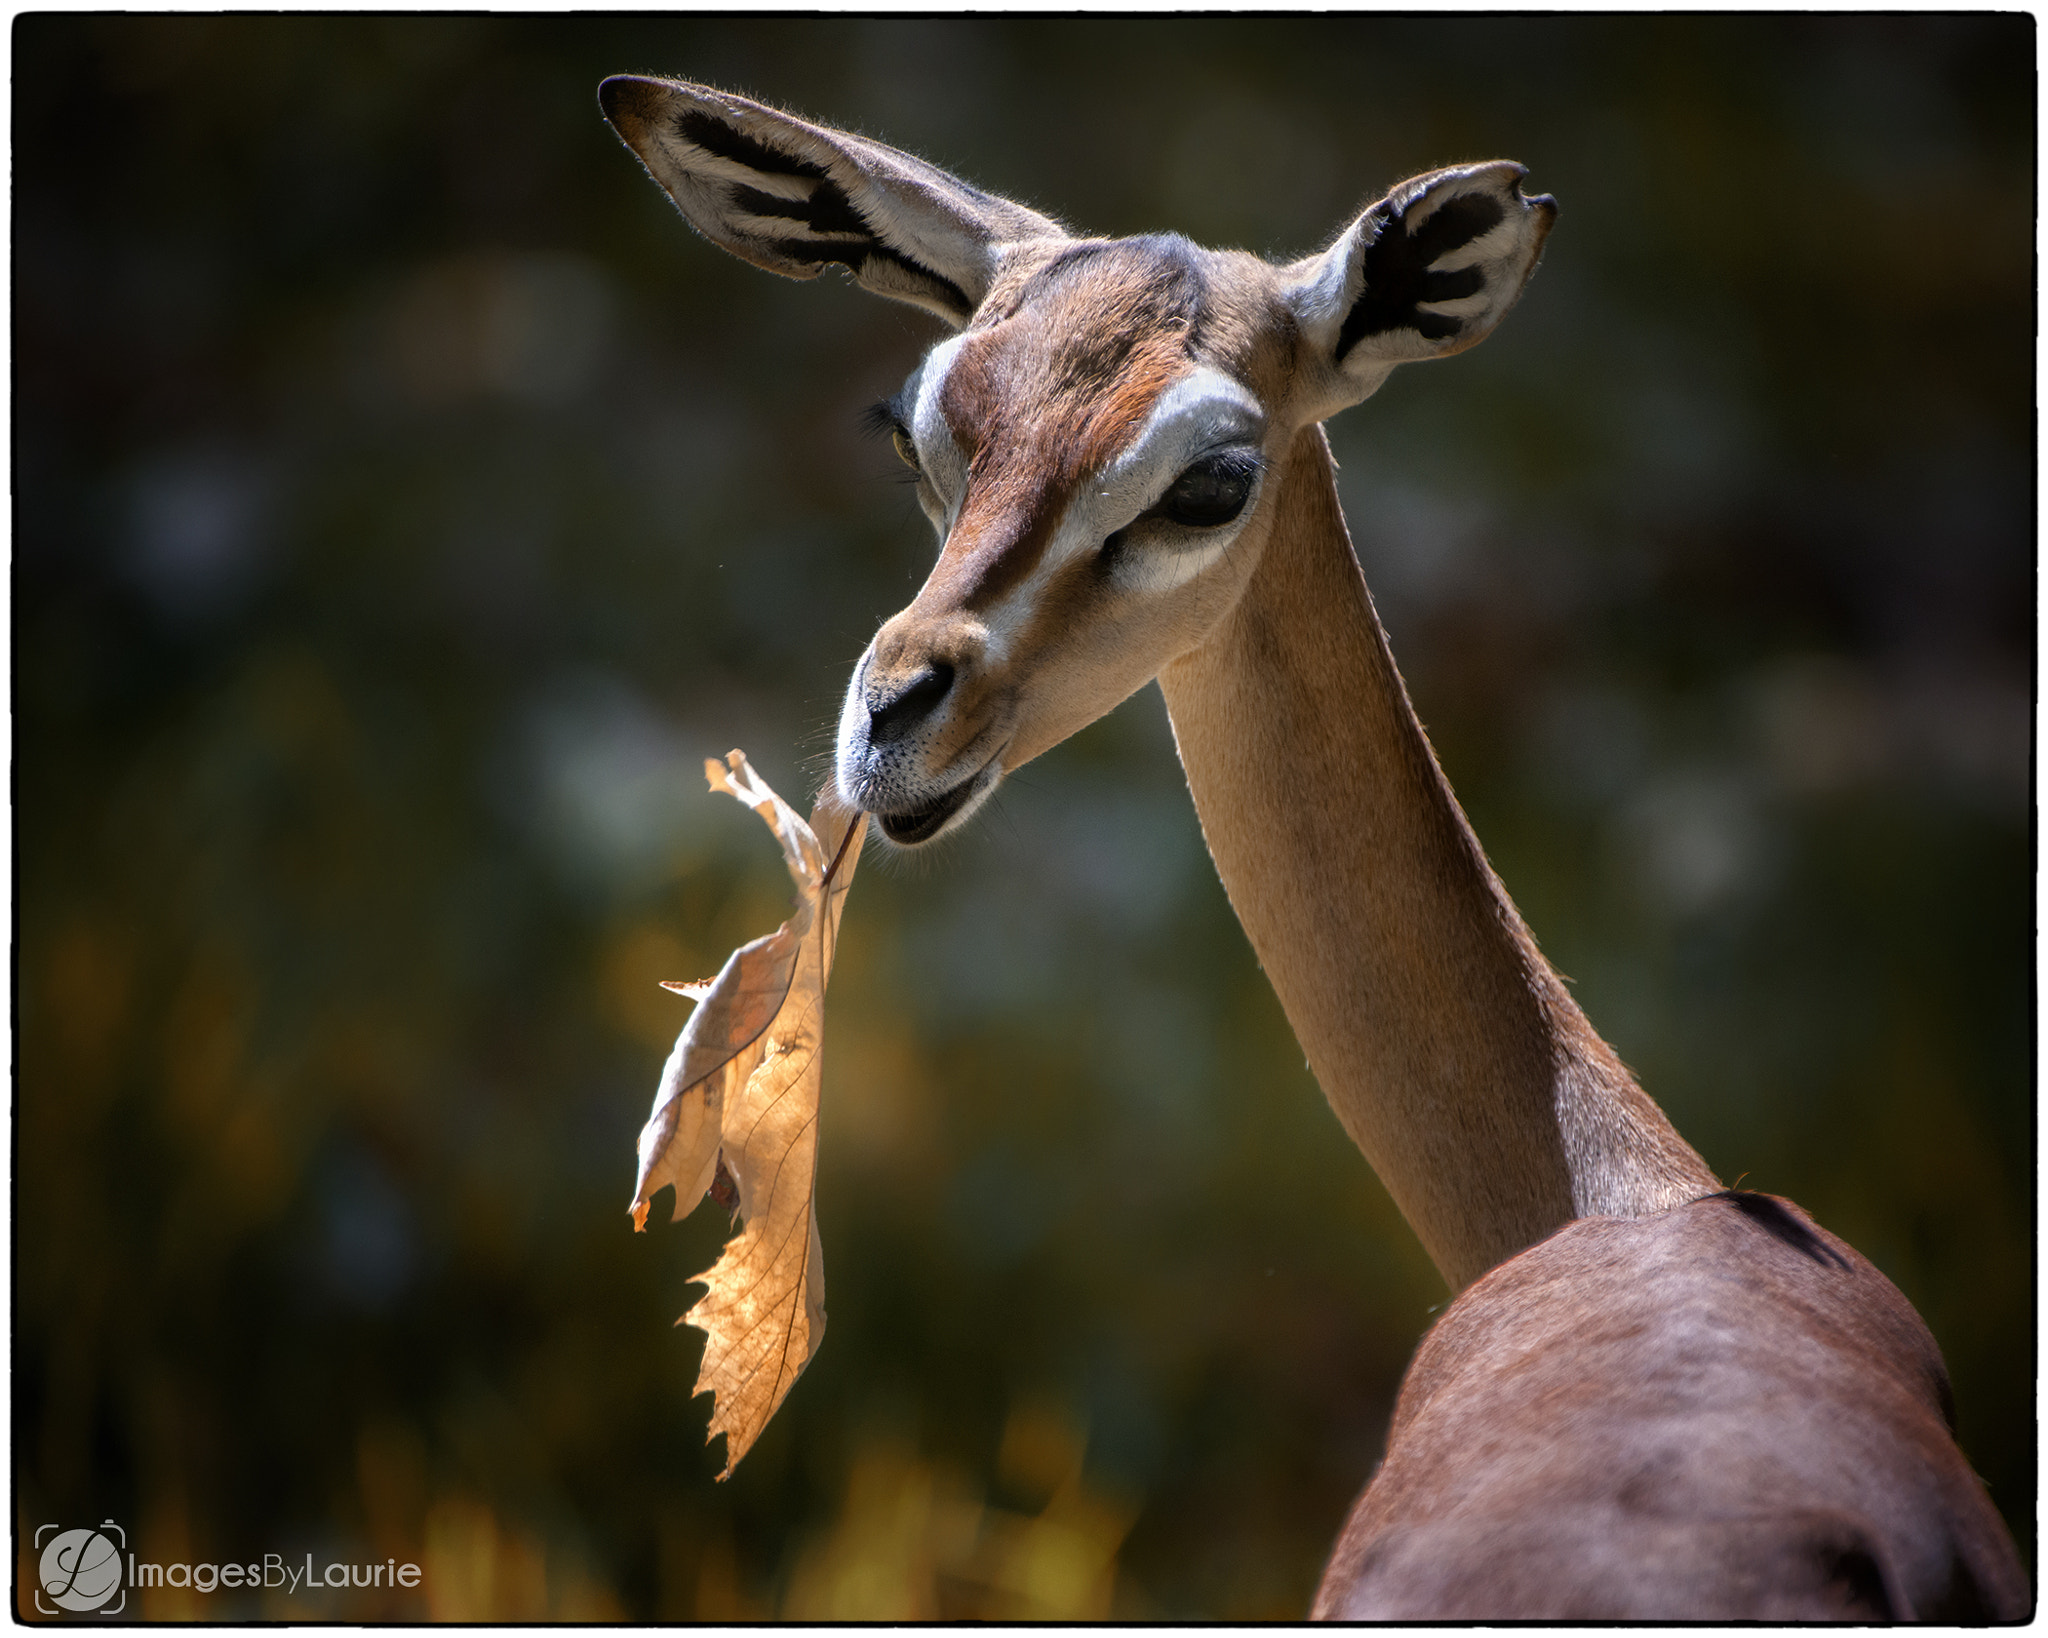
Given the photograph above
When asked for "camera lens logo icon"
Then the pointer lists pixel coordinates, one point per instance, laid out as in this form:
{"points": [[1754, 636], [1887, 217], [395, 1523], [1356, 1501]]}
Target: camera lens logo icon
{"points": [[80, 1570]]}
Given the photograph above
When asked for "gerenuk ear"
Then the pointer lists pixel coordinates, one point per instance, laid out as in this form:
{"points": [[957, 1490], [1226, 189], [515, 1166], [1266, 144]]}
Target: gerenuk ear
{"points": [[1426, 272], [792, 197]]}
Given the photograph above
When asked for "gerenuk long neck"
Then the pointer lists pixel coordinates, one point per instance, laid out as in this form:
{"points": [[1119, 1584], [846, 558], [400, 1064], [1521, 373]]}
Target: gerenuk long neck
{"points": [[1445, 1043]]}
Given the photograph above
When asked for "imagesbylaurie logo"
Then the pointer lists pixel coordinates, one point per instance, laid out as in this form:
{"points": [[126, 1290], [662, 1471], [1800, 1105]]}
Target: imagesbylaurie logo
{"points": [[80, 1570]]}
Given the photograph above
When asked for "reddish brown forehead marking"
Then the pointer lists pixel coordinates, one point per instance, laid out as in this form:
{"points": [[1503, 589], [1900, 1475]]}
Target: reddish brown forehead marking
{"points": [[1048, 395]]}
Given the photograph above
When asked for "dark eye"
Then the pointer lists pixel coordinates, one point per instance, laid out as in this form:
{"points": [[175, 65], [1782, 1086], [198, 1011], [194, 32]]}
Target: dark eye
{"points": [[1211, 492], [904, 447], [887, 416]]}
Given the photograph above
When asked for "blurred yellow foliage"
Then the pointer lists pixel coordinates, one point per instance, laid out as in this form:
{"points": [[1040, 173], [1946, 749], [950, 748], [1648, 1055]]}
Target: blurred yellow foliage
{"points": [[478, 1569], [914, 1541]]}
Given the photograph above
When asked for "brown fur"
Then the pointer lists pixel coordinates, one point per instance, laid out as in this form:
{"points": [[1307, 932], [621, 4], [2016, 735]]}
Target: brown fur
{"points": [[1443, 1040], [1716, 1413], [1037, 420]]}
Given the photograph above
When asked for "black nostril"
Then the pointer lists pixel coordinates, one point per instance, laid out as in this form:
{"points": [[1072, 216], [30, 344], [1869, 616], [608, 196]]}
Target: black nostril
{"points": [[890, 718]]}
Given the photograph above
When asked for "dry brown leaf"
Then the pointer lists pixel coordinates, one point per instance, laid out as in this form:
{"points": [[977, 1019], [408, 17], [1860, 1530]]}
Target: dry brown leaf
{"points": [[739, 1097]]}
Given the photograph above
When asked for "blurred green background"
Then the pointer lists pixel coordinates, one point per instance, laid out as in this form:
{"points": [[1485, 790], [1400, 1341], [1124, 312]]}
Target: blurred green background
{"points": [[407, 502]]}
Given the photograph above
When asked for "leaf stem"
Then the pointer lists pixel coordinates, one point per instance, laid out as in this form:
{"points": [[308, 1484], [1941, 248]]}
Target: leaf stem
{"points": [[832, 870]]}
